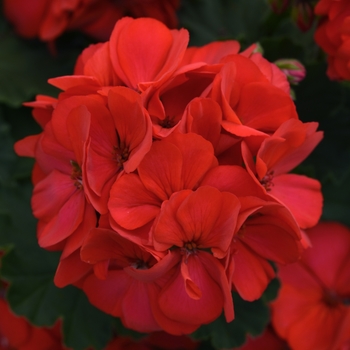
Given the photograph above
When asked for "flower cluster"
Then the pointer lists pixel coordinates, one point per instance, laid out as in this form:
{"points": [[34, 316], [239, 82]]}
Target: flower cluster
{"points": [[162, 174], [313, 307], [333, 36], [48, 19]]}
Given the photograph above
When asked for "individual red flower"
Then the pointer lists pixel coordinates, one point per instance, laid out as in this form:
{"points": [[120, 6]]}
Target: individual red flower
{"points": [[333, 36], [252, 106], [191, 223], [114, 145], [278, 154], [266, 231], [312, 310], [47, 19], [167, 168]]}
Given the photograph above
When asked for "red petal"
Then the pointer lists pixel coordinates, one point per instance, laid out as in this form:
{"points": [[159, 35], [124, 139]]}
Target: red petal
{"points": [[251, 274], [188, 310], [127, 111], [70, 270], [301, 195], [167, 231], [131, 205]]}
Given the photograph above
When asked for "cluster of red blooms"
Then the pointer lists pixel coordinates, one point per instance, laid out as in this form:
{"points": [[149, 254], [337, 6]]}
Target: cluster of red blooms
{"points": [[162, 174], [333, 36], [48, 19]]}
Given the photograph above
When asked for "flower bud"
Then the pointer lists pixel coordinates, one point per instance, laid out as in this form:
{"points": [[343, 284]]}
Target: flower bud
{"points": [[303, 15], [292, 68]]}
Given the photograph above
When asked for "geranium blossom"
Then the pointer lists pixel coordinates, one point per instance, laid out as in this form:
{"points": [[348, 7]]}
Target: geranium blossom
{"points": [[312, 310], [160, 175], [333, 36]]}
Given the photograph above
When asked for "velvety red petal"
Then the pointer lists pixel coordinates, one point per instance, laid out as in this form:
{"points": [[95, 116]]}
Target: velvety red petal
{"points": [[251, 274], [126, 108], [51, 194], [197, 157], [71, 81], [189, 310], [203, 116], [161, 169], [273, 235], [317, 328], [100, 67], [211, 53], [301, 195], [131, 205], [137, 311], [264, 107], [65, 222], [243, 185], [26, 147], [167, 231], [61, 112], [70, 270], [328, 263], [76, 239], [108, 294]]}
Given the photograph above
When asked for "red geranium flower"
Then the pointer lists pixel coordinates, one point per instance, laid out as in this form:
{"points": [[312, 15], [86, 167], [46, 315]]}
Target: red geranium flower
{"points": [[312, 310], [292, 142], [333, 35]]}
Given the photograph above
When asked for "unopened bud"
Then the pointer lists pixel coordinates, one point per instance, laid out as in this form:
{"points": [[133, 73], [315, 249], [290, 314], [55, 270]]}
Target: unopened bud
{"points": [[303, 15], [292, 68]]}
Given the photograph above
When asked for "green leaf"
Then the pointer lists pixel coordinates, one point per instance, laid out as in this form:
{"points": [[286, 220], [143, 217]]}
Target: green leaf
{"points": [[250, 318]]}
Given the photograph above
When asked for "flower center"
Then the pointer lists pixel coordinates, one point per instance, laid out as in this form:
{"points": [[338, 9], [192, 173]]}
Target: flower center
{"points": [[140, 265], [332, 299], [266, 181], [167, 123], [76, 175], [121, 154]]}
